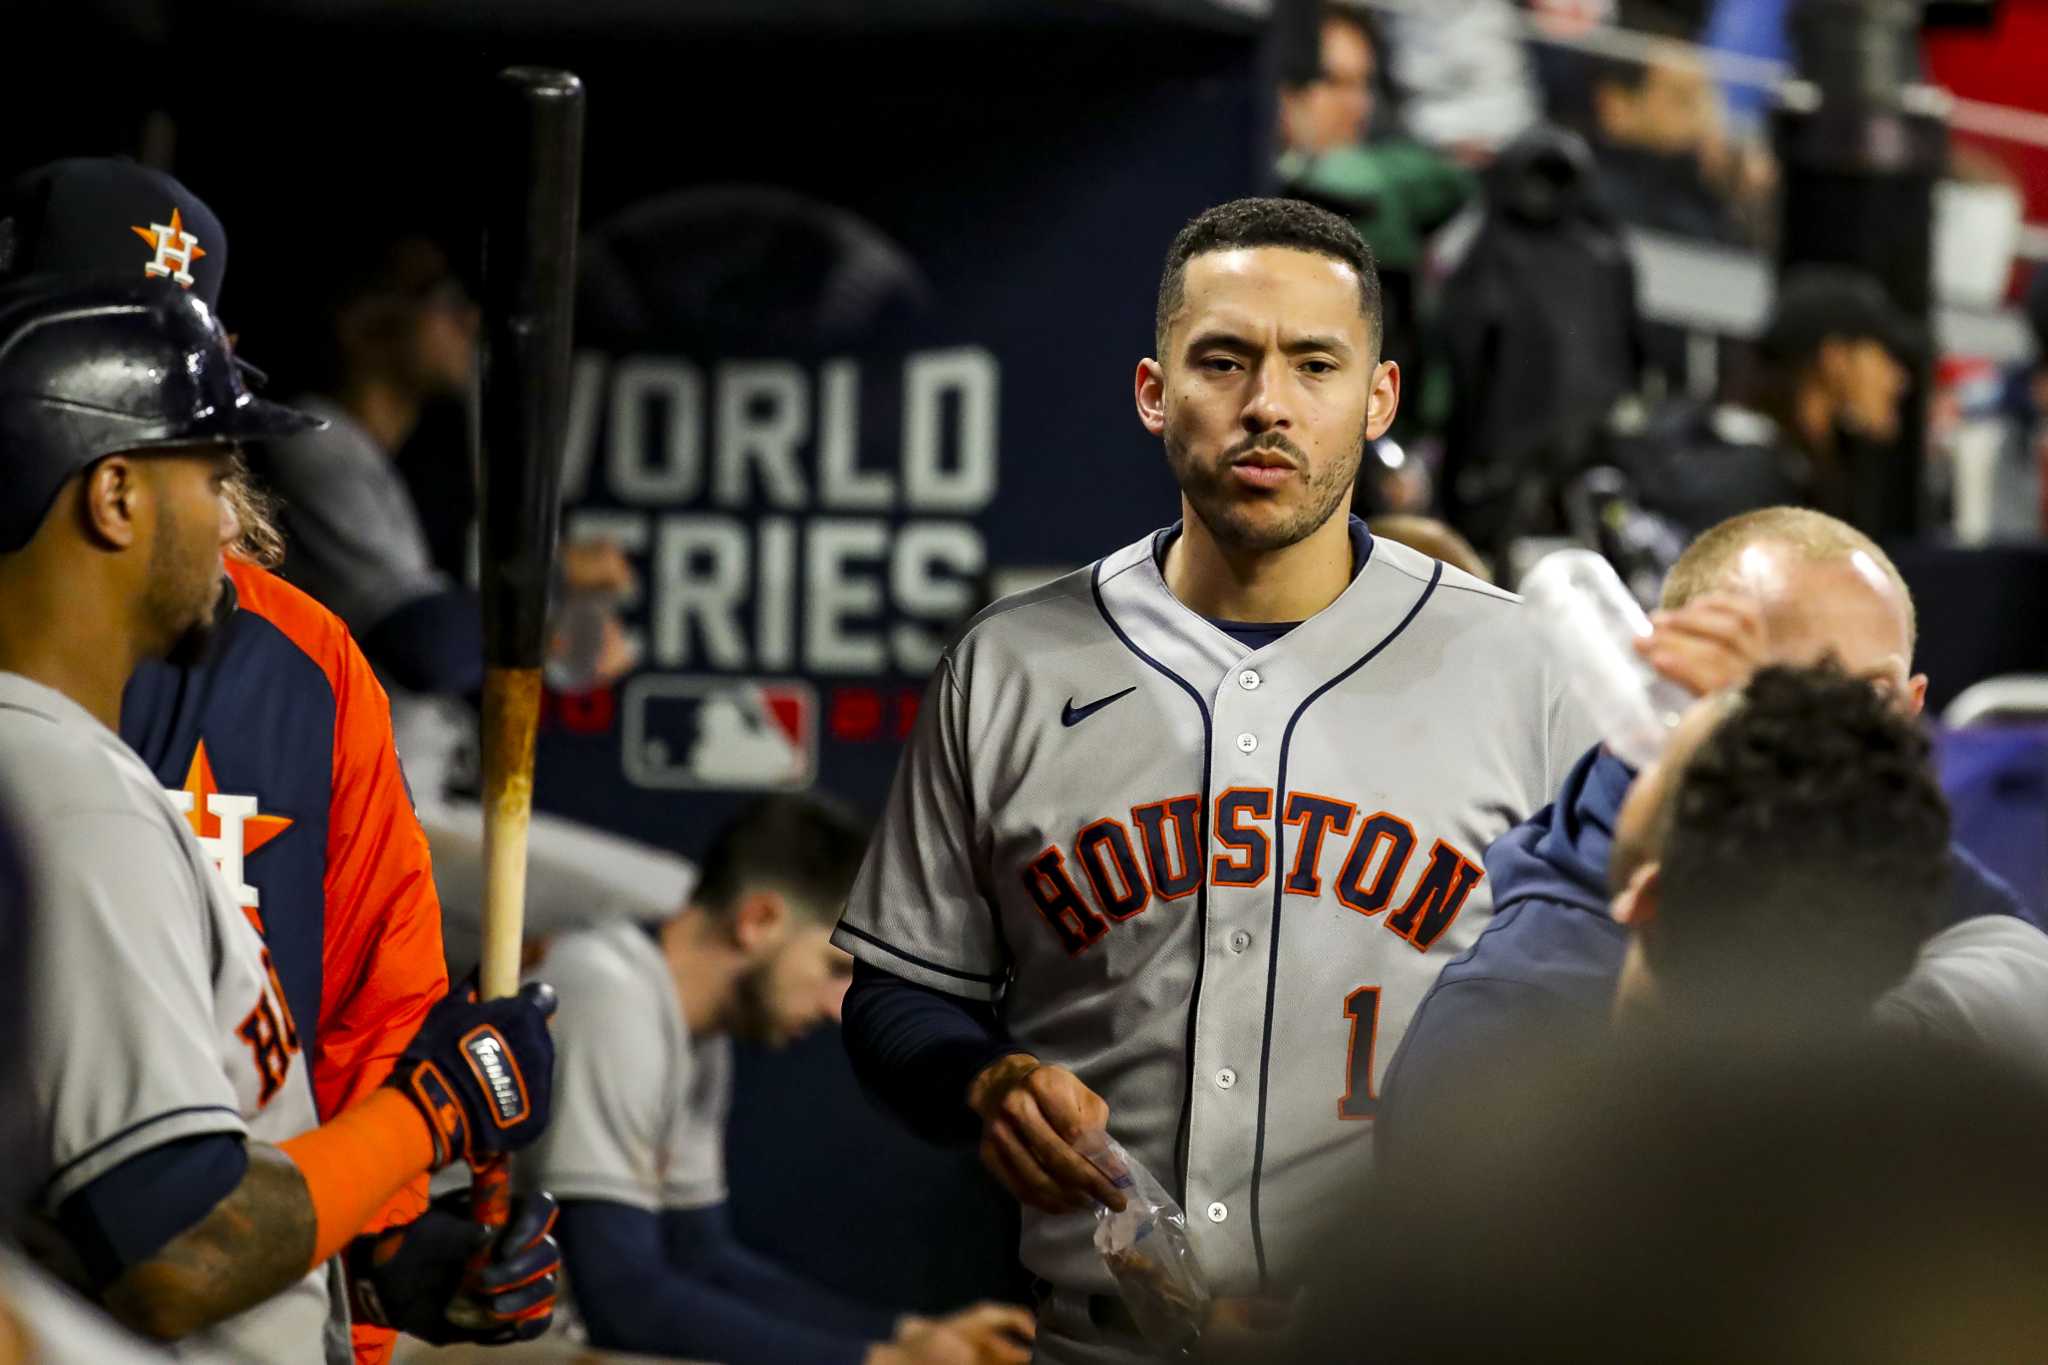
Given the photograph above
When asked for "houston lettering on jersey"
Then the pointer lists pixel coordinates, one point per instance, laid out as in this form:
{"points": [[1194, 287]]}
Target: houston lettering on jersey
{"points": [[1114, 870]]}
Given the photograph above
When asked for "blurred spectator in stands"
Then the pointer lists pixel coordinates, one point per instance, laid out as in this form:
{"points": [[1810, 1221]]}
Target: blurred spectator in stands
{"points": [[1658, 125], [400, 334], [1537, 320], [2022, 507], [1395, 191], [1465, 81], [1754, 29], [1819, 407]]}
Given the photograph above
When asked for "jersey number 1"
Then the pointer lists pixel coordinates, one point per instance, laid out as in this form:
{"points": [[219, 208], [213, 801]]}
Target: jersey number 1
{"points": [[1362, 1007]]}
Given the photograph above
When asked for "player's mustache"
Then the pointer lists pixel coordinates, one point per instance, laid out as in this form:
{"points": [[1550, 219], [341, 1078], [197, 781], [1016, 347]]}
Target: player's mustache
{"points": [[1265, 440]]}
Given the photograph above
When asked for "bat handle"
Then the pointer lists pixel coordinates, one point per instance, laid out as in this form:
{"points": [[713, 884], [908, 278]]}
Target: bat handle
{"points": [[490, 1201]]}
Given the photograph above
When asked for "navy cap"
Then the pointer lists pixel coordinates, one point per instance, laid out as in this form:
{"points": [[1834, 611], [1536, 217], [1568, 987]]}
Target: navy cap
{"points": [[108, 216], [88, 369], [1818, 302]]}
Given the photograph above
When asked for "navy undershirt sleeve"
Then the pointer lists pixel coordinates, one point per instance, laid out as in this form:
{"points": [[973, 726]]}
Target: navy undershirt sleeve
{"points": [[133, 1211], [700, 1243], [632, 1299], [915, 1049], [434, 643]]}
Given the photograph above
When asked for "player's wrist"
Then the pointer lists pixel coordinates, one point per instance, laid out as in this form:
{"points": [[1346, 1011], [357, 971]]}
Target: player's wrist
{"points": [[990, 1083]]}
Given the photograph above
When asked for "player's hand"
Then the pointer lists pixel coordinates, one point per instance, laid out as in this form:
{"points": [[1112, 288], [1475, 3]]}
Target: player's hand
{"points": [[421, 1277], [481, 1072], [986, 1334], [1716, 640], [596, 566], [1030, 1115]]}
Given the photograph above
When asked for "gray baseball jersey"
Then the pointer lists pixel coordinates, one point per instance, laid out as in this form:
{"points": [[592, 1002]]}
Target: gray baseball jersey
{"points": [[157, 1013], [1982, 982], [1214, 881], [640, 1106], [62, 1328]]}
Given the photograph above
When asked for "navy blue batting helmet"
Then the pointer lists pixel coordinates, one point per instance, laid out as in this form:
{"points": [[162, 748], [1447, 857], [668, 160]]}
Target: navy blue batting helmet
{"points": [[87, 370]]}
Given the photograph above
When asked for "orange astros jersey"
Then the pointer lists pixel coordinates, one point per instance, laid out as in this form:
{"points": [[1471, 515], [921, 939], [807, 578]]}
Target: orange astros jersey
{"points": [[278, 750]]}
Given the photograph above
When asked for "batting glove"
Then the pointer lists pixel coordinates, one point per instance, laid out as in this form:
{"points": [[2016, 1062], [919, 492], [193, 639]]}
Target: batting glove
{"points": [[425, 1279], [481, 1072]]}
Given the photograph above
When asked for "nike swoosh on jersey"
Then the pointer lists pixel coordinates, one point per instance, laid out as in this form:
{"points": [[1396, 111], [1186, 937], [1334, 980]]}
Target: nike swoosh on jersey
{"points": [[1072, 715]]}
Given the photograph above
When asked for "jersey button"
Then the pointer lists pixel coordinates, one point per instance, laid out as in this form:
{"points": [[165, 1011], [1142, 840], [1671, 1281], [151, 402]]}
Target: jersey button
{"points": [[1240, 941], [1225, 1078], [1249, 680], [1247, 742], [1218, 1211]]}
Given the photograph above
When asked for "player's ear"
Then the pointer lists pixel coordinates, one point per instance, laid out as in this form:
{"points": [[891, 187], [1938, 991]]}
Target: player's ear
{"points": [[1385, 399], [1916, 695], [760, 919], [111, 501], [1635, 907], [1151, 395]]}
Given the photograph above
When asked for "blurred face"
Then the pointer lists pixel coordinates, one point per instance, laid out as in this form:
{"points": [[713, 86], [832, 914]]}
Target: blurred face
{"points": [[1674, 110], [796, 984], [1846, 608], [1334, 109], [1268, 389], [1637, 825], [194, 524], [444, 342], [1866, 383]]}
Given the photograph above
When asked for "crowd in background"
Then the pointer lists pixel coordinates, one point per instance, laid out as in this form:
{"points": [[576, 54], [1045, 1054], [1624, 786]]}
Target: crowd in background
{"points": [[1500, 158]]}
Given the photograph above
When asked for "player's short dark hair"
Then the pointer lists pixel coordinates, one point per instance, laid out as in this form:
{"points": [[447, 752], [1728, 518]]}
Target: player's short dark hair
{"points": [[1804, 854], [1243, 223], [807, 846]]}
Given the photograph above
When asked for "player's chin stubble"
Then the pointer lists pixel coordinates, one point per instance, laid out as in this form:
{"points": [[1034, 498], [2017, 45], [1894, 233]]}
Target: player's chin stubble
{"points": [[184, 600], [1246, 519]]}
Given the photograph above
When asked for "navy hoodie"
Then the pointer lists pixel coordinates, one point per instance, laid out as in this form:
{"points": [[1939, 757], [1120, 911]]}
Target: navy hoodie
{"points": [[1539, 982]]}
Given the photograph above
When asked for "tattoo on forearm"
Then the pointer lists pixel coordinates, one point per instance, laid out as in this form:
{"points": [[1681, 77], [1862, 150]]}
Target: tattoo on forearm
{"points": [[253, 1245]]}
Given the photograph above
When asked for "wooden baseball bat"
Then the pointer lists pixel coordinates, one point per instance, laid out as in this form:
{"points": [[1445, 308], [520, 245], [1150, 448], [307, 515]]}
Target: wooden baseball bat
{"points": [[534, 159]]}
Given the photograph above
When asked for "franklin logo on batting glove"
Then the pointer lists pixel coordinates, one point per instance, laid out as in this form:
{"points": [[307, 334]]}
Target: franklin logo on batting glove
{"points": [[487, 1057], [481, 1072]]}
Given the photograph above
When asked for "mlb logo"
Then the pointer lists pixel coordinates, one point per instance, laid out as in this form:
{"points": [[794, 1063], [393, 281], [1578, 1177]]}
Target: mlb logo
{"points": [[684, 732]]}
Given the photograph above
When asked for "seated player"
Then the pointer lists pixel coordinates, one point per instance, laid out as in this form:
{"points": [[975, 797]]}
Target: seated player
{"points": [[182, 1175], [1782, 585], [645, 1077]]}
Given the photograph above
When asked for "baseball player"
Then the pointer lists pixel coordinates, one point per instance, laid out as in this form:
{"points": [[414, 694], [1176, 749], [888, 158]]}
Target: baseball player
{"points": [[277, 745], [638, 1158], [1203, 819], [184, 1176]]}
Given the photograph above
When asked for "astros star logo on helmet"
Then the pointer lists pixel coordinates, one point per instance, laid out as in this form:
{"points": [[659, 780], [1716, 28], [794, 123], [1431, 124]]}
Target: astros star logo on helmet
{"points": [[176, 249]]}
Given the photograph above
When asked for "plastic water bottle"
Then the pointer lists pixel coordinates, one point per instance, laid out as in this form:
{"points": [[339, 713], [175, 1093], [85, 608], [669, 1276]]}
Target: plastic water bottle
{"points": [[576, 637], [1592, 623]]}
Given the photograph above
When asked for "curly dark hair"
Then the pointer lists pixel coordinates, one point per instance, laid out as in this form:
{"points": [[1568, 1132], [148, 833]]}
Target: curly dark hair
{"points": [[1804, 854], [1266, 222], [809, 846]]}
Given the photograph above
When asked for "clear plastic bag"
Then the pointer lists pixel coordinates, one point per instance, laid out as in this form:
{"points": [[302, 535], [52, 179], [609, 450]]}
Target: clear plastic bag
{"points": [[1148, 1250]]}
